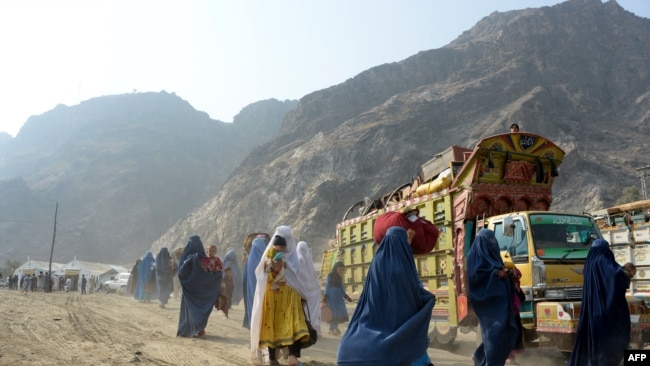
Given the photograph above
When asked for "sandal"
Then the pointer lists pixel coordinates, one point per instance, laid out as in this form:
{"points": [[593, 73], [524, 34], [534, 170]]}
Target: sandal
{"points": [[200, 334]]}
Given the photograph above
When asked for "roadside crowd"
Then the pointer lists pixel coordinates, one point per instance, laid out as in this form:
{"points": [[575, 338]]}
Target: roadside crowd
{"points": [[44, 282]]}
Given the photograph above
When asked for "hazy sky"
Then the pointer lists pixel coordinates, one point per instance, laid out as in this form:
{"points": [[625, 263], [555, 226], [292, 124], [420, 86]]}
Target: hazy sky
{"points": [[218, 55]]}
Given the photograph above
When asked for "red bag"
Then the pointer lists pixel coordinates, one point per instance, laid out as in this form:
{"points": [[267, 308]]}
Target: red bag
{"points": [[426, 233]]}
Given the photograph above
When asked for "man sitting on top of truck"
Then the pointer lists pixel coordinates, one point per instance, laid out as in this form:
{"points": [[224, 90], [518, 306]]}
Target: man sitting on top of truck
{"points": [[424, 236]]}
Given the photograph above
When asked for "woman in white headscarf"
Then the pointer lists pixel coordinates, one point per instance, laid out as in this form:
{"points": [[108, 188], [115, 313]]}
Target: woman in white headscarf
{"points": [[278, 319], [307, 274]]}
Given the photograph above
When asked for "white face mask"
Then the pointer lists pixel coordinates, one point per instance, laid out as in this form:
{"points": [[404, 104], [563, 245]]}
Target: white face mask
{"points": [[413, 217]]}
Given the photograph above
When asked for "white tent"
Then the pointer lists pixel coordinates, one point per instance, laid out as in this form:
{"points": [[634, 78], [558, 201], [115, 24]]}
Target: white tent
{"points": [[100, 271], [34, 268]]}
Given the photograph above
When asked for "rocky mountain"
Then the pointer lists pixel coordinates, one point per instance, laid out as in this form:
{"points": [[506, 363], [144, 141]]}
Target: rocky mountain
{"points": [[577, 72], [132, 170], [123, 169]]}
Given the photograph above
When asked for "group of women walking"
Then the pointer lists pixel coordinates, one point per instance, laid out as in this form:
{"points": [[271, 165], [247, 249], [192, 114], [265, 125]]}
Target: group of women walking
{"points": [[152, 278], [282, 301], [388, 327], [278, 284]]}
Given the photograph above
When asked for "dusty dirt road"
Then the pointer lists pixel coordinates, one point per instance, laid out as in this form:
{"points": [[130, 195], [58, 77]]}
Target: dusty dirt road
{"points": [[107, 329]]}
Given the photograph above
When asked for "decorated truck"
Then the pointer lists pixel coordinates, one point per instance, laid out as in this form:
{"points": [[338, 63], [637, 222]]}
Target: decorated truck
{"points": [[505, 184], [627, 229]]}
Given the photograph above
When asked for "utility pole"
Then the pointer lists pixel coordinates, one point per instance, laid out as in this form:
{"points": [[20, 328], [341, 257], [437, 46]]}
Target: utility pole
{"points": [[642, 175], [56, 210]]}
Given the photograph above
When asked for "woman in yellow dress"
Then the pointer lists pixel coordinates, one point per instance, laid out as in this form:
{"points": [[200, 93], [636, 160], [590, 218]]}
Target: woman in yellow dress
{"points": [[278, 319]]}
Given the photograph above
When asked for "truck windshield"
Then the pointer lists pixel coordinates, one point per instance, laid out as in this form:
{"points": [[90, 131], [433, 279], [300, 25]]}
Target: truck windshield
{"points": [[562, 236]]}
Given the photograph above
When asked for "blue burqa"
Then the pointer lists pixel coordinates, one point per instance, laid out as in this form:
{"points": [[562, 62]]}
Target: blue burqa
{"points": [[164, 275], [230, 261], [250, 281], [604, 327], [390, 323], [145, 274], [491, 298], [200, 289]]}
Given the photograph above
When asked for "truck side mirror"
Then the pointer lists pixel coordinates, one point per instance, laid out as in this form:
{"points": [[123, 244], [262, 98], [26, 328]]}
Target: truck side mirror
{"points": [[508, 227]]}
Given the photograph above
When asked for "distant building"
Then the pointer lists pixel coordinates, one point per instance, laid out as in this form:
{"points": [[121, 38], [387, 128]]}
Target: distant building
{"points": [[101, 271], [73, 269], [32, 267]]}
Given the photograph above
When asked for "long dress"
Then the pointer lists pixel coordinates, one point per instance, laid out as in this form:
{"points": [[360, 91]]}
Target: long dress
{"points": [[277, 318], [250, 281], [491, 298], [132, 283], [335, 297], [200, 289], [312, 285], [390, 323], [164, 275], [283, 319], [230, 261], [143, 289], [604, 327]]}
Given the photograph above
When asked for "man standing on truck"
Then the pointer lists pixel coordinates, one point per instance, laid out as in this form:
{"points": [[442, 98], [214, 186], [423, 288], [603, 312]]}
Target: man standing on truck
{"points": [[423, 235]]}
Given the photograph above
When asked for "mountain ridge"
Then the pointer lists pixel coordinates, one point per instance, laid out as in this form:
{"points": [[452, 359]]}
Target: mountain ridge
{"points": [[576, 72], [544, 68]]}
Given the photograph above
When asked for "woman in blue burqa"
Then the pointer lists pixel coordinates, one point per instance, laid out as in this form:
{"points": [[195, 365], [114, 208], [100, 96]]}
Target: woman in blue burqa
{"points": [[143, 288], [391, 321], [201, 288], [490, 295], [250, 281], [165, 271], [230, 261], [604, 328]]}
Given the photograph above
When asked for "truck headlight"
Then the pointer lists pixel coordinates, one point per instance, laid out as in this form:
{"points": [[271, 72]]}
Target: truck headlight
{"points": [[555, 293]]}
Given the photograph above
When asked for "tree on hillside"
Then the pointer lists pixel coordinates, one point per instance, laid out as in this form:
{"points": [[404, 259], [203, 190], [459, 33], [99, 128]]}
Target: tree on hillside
{"points": [[9, 267]]}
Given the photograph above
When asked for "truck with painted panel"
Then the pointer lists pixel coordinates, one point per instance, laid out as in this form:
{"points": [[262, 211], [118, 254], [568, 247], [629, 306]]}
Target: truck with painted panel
{"points": [[504, 183]]}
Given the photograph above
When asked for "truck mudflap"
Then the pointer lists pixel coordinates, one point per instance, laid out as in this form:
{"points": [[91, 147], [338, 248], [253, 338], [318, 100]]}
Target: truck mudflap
{"points": [[557, 323]]}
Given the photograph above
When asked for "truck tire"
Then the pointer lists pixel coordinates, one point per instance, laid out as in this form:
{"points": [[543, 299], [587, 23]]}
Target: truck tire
{"points": [[107, 289], [442, 336]]}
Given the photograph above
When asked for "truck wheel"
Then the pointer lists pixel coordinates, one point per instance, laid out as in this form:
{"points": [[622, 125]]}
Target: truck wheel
{"points": [[530, 337], [107, 289], [442, 336]]}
